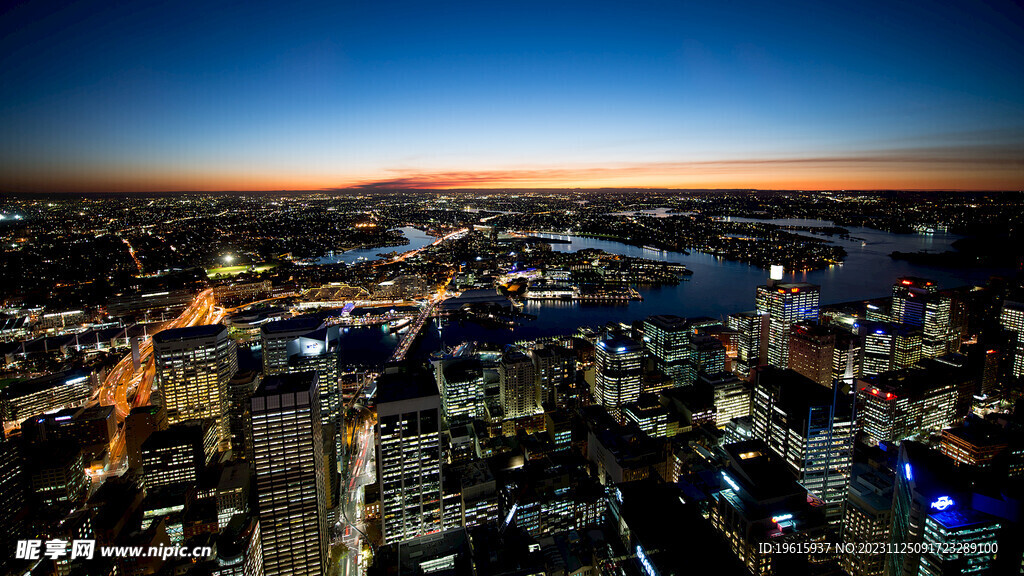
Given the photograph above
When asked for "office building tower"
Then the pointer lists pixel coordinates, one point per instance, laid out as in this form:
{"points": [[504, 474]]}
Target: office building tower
{"points": [[275, 337], [909, 296], [896, 405], [917, 302], [618, 373], [889, 346], [941, 525], [556, 371], [408, 454], [650, 416], [138, 426], [752, 343], [239, 548], [975, 442], [706, 356], [785, 304], [666, 340], [1012, 319], [91, 429], [846, 359], [809, 426], [27, 398], [320, 351], [759, 503], [866, 521], [193, 367], [240, 389], [519, 393], [289, 465], [56, 473], [13, 492], [177, 456], [731, 396], [461, 382], [811, 350]]}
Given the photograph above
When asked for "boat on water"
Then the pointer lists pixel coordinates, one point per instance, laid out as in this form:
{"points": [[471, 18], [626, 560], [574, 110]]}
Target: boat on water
{"points": [[396, 325]]}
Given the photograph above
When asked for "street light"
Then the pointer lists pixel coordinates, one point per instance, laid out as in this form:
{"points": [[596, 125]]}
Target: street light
{"points": [[228, 259]]}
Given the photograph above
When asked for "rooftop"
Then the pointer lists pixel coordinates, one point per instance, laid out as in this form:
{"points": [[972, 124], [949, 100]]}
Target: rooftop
{"points": [[190, 332]]}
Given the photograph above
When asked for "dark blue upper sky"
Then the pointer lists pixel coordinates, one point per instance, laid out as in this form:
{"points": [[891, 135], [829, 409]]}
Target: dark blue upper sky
{"points": [[247, 95]]}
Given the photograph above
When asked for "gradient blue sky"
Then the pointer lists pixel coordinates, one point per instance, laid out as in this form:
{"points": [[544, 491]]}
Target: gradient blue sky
{"points": [[102, 96]]}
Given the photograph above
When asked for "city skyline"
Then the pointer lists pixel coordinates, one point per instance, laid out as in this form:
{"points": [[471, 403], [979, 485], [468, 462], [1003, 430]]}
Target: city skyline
{"points": [[661, 95]]}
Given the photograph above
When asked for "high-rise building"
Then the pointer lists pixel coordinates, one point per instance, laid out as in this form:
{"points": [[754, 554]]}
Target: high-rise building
{"points": [[706, 356], [866, 521], [320, 351], [140, 423], [556, 371], [889, 346], [810, 426], [291, 481], [811, 351], [1012, 319], [56, 474], [275, 336], [909, 295], [461, 382], [731, 396], [13, 494], [898, 404], [917, 302], [177, 456], [409, 454], [193, 367], [240, 389], [650, 416], [846, 359], [519, 393], [619, 371], [785, 304], [940, 524], [752, 344], [27, 398], [759, 503], [666, 340]]}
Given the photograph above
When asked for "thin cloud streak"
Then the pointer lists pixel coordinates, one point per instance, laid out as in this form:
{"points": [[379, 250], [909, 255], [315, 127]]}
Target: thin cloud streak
{"points": [[987, 164]]}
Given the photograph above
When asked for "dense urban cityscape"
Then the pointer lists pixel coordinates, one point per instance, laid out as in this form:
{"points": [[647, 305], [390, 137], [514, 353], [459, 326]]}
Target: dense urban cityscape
{"points": [[462, 288], [513, 382]]}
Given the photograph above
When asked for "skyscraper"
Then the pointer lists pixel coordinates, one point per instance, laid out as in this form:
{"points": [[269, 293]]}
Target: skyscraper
{"points": [[177, 455], [785, 304], [275, 336], [288, 459], [461, 382], [936, 505], [408, 454], [917, 302], [666, 339], [866, 520], [320, 351], [556, 371], [1012, 319], [619, 371], [519, 393], [811, 427], [752, 344], [193, 367], [811, 347]]}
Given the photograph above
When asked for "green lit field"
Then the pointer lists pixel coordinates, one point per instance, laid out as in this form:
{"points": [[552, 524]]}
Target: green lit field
{"points": [[235, 270]]}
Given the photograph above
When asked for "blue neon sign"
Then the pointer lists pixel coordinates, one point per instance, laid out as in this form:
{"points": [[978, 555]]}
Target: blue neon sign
{"points": [[942, 503], [645, 561], [909, 474]]}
